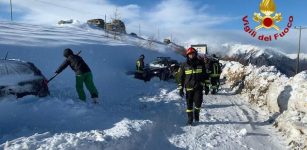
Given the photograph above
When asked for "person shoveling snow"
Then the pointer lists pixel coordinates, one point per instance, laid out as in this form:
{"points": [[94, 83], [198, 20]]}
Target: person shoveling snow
{"points": [[83, 74]]}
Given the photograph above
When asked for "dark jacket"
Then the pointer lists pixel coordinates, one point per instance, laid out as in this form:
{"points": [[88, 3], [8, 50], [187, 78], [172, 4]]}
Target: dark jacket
{"points": [[192, 74], [76, 63], [209, 68], [140, 65]]}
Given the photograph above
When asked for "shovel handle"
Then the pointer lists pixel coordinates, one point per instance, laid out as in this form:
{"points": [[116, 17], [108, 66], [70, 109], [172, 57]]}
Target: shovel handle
{"points": [[52, 77]]}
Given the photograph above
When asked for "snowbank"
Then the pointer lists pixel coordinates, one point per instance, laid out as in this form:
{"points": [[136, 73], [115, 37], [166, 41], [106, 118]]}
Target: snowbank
{"points": [[294, 56], [275, 93], [113, 138]]}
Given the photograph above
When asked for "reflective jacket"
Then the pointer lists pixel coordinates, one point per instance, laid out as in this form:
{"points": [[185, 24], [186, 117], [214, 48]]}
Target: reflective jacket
{"points": [[140, 65], [192, 74], [216, 69]]}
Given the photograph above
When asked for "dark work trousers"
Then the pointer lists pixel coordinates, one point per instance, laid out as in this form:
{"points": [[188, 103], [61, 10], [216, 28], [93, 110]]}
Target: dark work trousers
{"points": [[215, 83], [194, 97]]}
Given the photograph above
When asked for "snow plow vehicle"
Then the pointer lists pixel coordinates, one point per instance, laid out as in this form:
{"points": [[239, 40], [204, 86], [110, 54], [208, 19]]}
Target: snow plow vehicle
{"points": [[21, 78]]}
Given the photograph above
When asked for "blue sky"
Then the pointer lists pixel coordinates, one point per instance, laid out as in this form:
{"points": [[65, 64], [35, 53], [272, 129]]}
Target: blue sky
{"points": [[186, 20]]}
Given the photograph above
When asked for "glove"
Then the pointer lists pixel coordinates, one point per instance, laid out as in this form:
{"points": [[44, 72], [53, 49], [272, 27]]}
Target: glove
{"points": [[181, 93]]}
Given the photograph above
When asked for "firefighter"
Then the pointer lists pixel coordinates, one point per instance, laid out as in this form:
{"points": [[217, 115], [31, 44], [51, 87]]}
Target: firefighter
{"points": [[141, 72], [208, 67], [140, 64], [215, 74], [191, 78], [83, 74]]}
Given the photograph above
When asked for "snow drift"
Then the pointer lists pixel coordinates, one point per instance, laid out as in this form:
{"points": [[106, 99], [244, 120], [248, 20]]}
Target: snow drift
{"points": [[61, 121], [282, 97]]}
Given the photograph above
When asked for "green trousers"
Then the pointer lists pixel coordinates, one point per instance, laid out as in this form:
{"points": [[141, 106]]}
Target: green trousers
{"points": [[86, 78]]}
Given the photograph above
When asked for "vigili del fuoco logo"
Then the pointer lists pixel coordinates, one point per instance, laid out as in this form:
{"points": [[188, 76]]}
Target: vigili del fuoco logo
{"points": [[268, 19]]}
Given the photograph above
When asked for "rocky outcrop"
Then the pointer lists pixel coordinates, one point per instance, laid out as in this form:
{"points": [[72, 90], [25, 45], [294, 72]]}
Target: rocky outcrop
{"points": [[167, 41], [116, 26], [97, 22], [65, 22]]}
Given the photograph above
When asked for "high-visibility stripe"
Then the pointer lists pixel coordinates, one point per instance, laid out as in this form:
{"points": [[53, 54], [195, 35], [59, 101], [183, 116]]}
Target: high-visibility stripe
{"points": [[188, 71], [193, 71], [189, 110], [198, 71], [189, 89], [215, 69], [138, 65], [214, 75], [197, 109]]}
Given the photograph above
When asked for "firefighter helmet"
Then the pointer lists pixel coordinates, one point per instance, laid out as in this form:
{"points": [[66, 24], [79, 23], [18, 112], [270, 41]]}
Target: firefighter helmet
{"points": [[191, 50]]}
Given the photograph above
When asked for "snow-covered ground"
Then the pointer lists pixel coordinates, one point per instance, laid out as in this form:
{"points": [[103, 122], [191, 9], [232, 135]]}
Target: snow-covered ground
{"points": [[254, 51], [294, 56], [279, 96], [132, 114]]}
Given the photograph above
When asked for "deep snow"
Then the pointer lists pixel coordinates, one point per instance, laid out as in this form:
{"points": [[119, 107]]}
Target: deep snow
{"points": [[131, 114], [283, 98]]}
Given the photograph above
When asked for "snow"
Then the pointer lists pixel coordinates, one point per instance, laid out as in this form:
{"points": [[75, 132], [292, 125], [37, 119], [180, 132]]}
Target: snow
{"points": [[294, 56], [132, 114], [277, 95], [228, 124], [14, 79], [233, 49], [94, 139]]}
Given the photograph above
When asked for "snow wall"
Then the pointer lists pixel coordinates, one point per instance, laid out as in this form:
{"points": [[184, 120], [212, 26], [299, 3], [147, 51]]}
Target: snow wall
{"points": [[285, 99]]}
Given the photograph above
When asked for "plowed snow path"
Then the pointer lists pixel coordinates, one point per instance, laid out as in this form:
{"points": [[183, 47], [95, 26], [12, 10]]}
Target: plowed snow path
{"points": [[227, 122]]}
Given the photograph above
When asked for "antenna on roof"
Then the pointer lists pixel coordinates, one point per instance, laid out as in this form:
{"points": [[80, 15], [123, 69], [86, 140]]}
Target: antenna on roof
{"points": [[7, 53]]}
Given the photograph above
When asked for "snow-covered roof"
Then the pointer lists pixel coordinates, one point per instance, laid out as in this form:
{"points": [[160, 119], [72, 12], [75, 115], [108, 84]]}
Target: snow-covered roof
{"points": [[14, 67]]}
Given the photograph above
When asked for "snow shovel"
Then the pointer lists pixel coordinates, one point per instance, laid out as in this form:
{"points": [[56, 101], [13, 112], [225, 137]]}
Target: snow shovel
{"points": [[52, 77], [58, 73]]}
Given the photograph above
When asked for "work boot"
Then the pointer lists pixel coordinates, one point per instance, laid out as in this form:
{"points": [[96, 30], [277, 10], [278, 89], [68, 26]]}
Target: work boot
{"points": [[206, 90], [213, 91], [190, 118]]}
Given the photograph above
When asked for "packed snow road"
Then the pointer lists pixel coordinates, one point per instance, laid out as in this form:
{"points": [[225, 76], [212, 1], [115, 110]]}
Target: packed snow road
{"points": [[226, 123]]}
